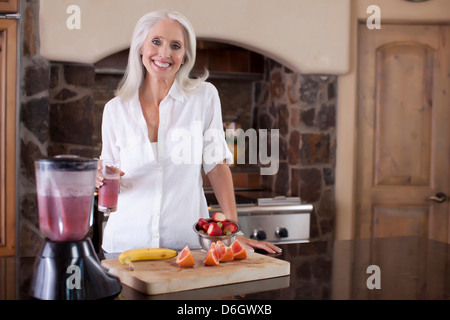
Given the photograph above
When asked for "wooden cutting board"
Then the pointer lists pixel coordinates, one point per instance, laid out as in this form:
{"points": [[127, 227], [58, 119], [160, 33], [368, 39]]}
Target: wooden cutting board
{"points": [[165, 276]]}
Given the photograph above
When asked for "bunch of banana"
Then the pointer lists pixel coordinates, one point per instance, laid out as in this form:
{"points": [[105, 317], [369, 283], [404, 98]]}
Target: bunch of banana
{"points": [[146, 254]]}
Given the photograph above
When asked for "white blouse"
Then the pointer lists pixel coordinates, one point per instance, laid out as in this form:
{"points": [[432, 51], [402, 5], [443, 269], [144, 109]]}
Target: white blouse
{"points": [[161, 194]]}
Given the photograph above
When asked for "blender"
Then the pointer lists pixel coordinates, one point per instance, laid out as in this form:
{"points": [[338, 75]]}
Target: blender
{"points": [[67, 267]]}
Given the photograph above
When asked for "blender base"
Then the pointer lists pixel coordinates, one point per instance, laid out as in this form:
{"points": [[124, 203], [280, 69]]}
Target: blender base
{"points": [[71, 271]]}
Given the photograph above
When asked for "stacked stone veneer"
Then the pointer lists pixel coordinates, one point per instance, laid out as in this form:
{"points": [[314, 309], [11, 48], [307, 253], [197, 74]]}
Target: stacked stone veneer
{"points": [[74, 124], [303, 109], [57, 117]]}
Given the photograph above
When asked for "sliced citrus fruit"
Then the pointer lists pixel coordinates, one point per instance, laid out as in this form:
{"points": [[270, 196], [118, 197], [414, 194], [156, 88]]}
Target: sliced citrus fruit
{"points": [[220, 247], [212, 258], [225, 253], [185, 258], [239, 251], [228, 255]]}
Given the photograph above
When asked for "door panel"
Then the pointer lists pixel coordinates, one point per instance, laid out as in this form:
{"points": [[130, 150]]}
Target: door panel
{"points": [[403, 133], [403, 114], [400, 221]]}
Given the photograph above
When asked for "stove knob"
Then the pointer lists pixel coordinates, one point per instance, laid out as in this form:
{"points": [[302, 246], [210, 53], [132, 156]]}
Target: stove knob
{"points": [[282, 232], [259, 235]]}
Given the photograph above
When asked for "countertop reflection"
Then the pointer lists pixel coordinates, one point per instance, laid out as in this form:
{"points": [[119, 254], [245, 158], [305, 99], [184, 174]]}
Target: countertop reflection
{"points": [[406, 268]]}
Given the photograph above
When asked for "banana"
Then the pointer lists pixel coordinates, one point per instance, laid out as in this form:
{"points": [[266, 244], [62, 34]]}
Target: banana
{"points": [[146, 254]]}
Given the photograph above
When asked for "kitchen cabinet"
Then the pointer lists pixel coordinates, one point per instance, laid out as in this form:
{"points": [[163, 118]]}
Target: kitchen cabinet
{"points": [[9, 6], [8, 111], [403, 147]]}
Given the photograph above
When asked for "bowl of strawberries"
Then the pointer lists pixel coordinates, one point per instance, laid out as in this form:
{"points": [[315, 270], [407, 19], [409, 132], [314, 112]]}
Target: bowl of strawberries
{"points": [[216, 228]]}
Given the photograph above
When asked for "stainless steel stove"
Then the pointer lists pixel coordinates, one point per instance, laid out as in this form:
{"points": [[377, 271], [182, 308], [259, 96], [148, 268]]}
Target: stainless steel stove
{"points": [[266, 216]]}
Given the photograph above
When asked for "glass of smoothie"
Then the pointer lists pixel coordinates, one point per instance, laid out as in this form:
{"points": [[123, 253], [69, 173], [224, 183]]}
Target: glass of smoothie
{"points": [[65, 192], [108, 193]]}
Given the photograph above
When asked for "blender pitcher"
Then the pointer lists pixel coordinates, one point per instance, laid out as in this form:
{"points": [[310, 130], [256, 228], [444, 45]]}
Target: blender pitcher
{"points": [[65, 191]]}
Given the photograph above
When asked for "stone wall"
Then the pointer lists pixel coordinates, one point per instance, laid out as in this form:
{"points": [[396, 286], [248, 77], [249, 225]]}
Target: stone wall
{"points": [[33, 127], [74, 126], [236, 99], [303, 108]]}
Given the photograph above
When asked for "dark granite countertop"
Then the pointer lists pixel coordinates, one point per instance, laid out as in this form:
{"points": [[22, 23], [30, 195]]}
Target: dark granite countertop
{"points": [[402, 268]]}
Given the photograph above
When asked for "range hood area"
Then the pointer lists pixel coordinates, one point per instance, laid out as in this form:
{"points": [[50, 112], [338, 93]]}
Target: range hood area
{"points": [[305, 36], [222, 60]]}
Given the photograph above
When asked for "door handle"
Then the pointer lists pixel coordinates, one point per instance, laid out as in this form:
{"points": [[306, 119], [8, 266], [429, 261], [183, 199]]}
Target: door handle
{"points": [[439, 197]]}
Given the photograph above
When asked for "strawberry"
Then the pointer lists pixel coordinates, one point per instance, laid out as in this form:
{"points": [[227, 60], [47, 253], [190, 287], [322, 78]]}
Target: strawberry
{"points": [[224, 224], [201, 222], [229, 227], [205, 226], [214, 229], [219, 217]]}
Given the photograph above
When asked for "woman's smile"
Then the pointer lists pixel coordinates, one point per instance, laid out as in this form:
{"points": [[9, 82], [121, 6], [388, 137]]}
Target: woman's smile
{"points": [[162, 64], [163, 51]]}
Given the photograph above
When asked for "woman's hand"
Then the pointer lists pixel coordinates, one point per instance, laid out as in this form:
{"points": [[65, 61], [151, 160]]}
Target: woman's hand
{"points": [[251, 244], [101, 177]]}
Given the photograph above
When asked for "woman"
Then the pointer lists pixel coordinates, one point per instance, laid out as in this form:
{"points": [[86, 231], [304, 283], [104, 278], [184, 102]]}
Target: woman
{"points": [[165, 127]]}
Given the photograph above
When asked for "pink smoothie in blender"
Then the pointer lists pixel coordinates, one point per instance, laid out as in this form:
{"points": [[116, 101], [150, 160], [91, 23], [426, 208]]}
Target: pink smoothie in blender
{"points": [[65, 192], [64, 218]]}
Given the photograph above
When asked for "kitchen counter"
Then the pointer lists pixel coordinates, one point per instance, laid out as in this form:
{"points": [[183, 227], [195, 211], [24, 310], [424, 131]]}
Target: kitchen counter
{"points": [[389, 268]]}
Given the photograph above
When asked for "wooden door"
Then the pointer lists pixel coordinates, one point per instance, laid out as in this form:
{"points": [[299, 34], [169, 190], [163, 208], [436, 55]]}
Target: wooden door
{"points": [[403, 131]]}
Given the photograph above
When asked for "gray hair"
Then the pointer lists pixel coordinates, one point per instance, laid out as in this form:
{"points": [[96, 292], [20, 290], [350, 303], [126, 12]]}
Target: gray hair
{"points": [[135, 71]]}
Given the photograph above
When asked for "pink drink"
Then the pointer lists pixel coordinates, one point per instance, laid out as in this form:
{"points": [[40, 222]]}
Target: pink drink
{"points": [[108, 195], [64, 218]]}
